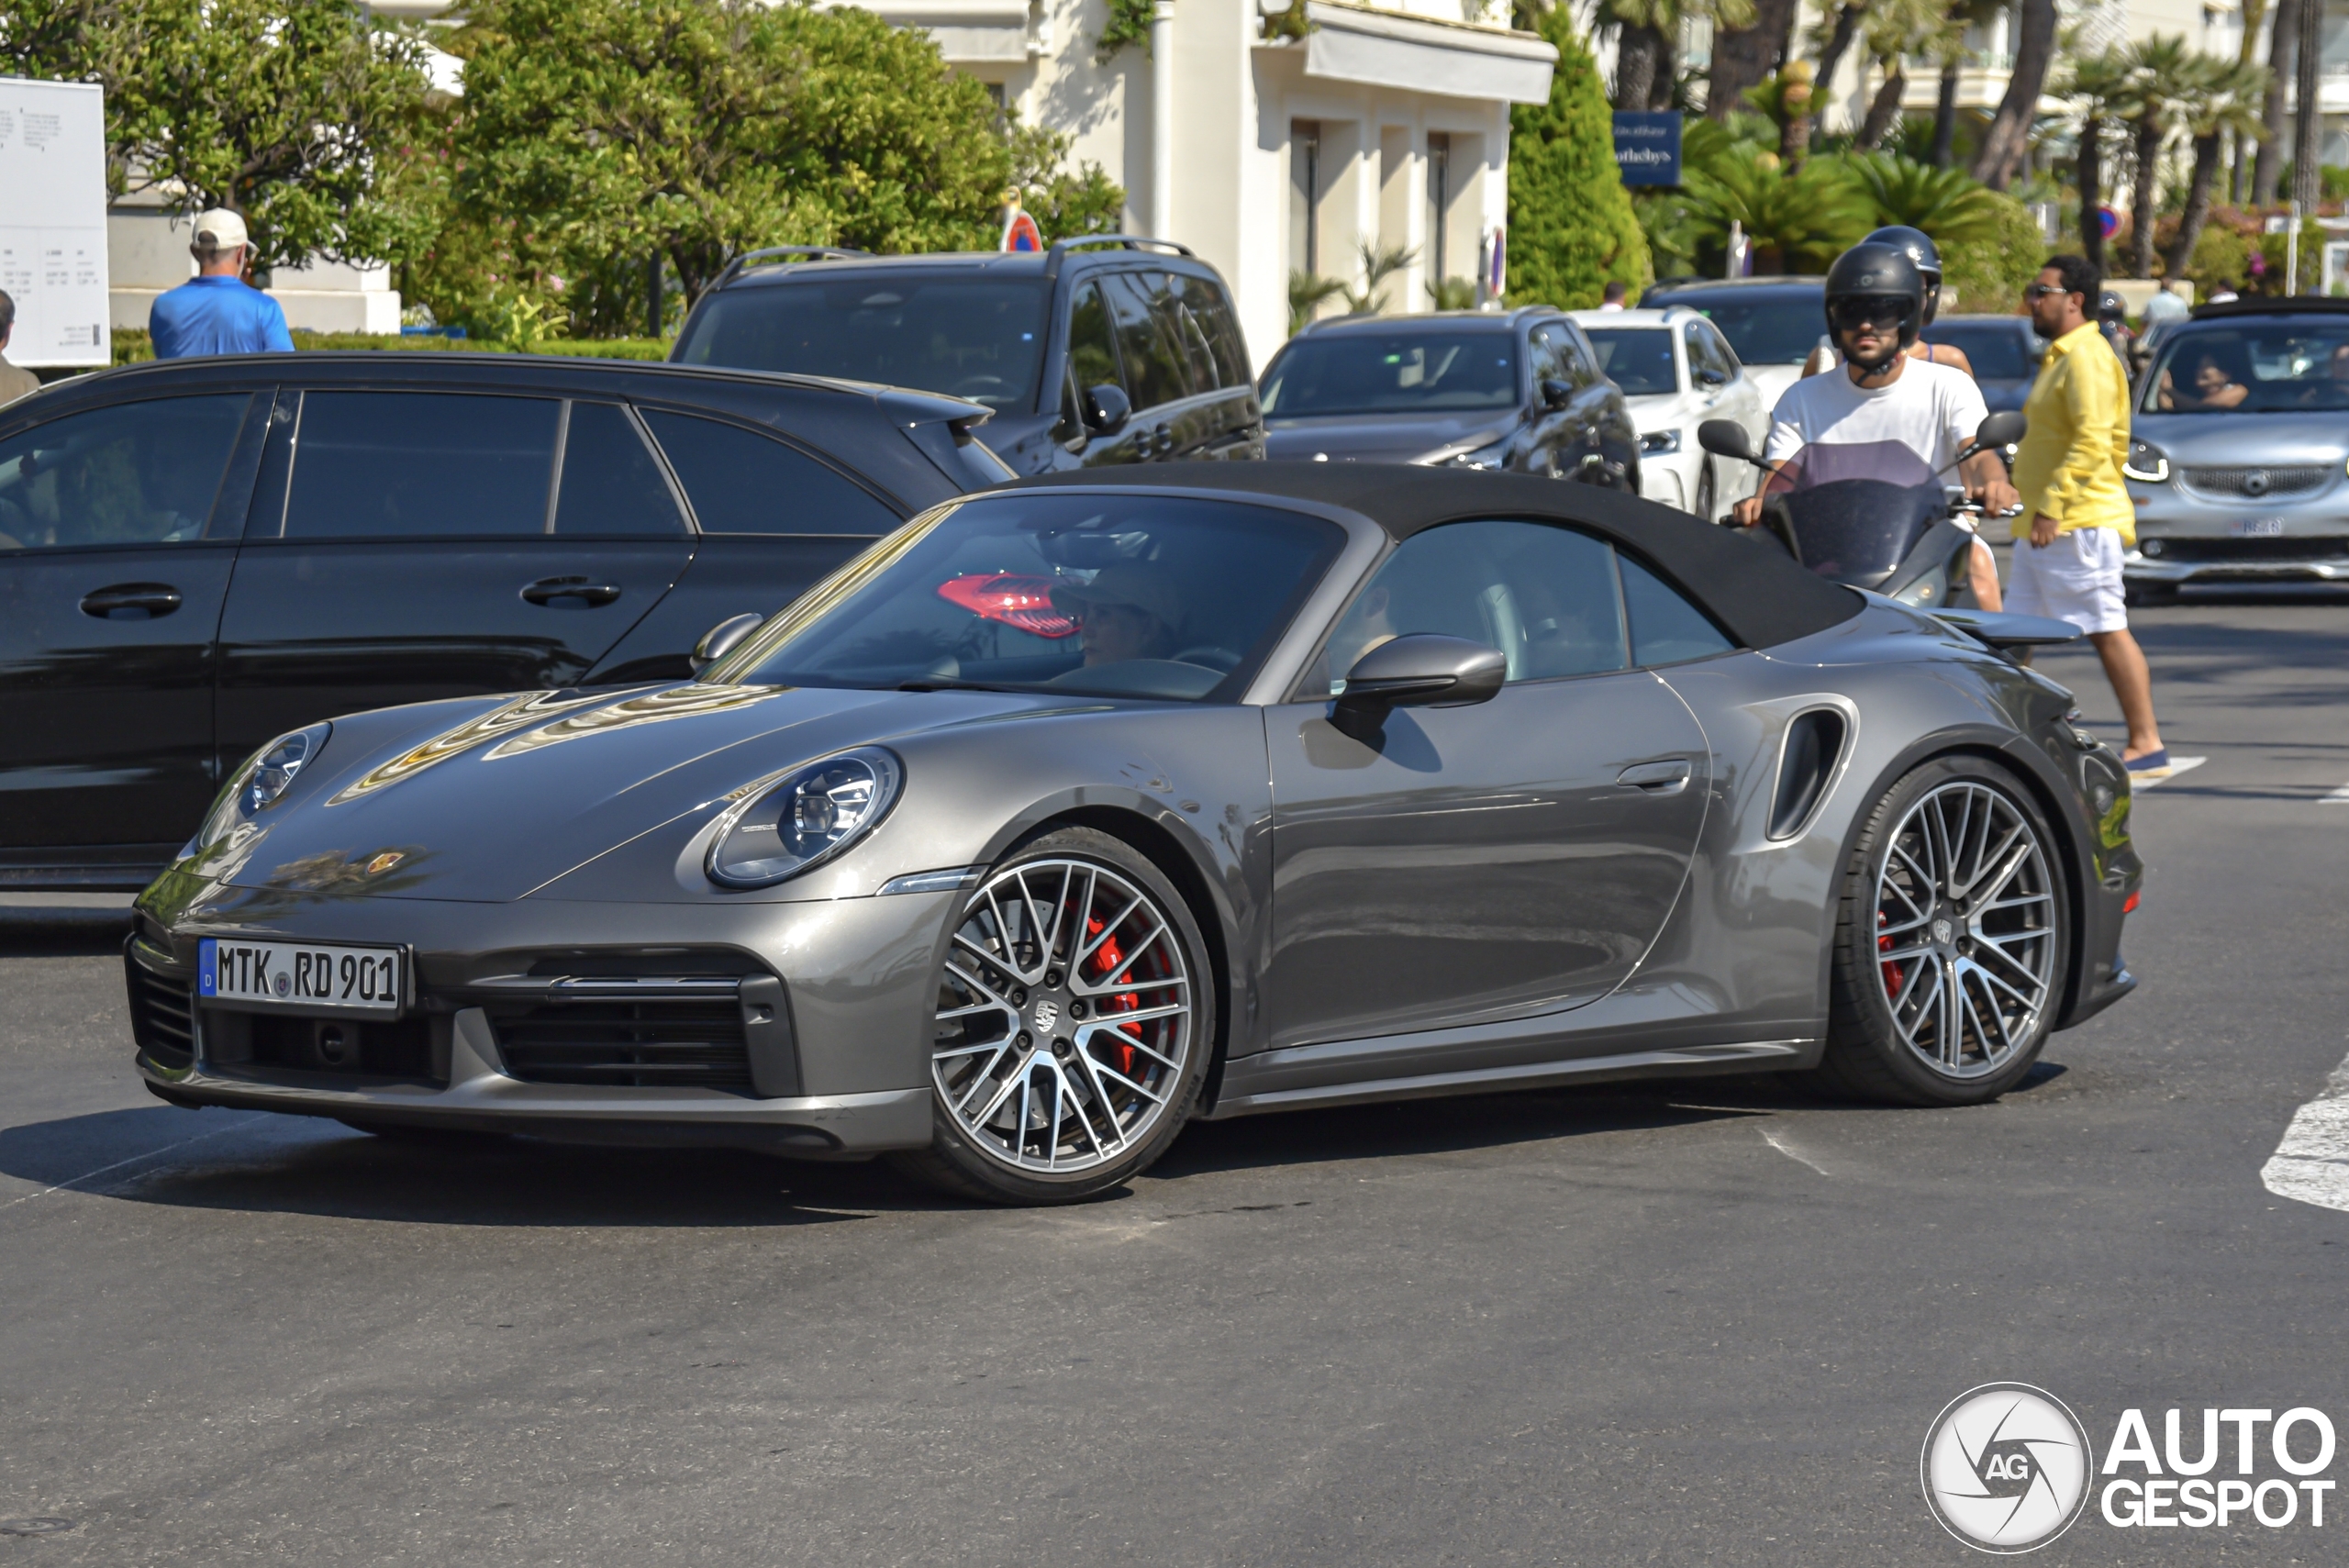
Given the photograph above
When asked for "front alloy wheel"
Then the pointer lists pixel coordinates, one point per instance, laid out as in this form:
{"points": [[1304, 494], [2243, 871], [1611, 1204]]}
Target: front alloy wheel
{"points": [[1073, 1021], [1951, 947]]}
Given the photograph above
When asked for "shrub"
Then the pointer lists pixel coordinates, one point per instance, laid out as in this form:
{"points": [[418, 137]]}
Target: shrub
{"points": [[1571, 228]]}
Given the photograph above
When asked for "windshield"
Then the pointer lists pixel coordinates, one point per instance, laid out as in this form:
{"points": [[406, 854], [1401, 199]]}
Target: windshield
{"points": [[2283, 367], [1776, 330], [1996, 350], [1855, 508], [1397, 372], [1636, 358], [1147, 595], [966, 337]]}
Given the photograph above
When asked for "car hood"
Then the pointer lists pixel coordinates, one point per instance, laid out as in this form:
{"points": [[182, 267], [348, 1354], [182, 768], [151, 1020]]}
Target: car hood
{"points": [[489, 800], [1381, 438], [2237, 440]]}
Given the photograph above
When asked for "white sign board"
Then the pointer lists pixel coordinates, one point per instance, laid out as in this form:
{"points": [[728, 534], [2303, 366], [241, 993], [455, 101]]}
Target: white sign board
{"points": [[53, 221]]}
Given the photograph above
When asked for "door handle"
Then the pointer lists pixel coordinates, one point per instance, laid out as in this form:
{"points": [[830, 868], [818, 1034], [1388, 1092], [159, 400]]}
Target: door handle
{"points": [[1657, 778], [131, 601], [546, 590]]}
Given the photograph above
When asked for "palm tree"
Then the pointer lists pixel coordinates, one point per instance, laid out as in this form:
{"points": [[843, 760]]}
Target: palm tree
{"points": [[1963, 14], [2163, 79], [2009, 136], [1647, 41], [1799, 220], [1947, 204], [1379, 262], [1308, 292], [1893, 30], [2229, 103], [2098, 87]]}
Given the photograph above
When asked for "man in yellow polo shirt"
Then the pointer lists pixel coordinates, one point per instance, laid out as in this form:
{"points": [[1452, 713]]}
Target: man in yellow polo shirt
{"points": [[2067, 556]]}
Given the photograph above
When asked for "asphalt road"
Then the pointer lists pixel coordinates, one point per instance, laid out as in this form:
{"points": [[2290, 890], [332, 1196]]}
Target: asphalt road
{"points": [[1709, 1323]]}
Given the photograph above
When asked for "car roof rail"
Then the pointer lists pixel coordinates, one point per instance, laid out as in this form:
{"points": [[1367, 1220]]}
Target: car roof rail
{"points": [[749, 259], [1060, 248]]}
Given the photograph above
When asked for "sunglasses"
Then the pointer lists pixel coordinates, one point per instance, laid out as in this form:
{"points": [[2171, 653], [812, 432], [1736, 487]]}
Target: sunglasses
{"points": [[1851, 315], [2043, 291]]}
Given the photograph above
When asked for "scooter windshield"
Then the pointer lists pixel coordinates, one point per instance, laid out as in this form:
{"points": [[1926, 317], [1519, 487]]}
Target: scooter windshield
{"points": [[1856, 508]]}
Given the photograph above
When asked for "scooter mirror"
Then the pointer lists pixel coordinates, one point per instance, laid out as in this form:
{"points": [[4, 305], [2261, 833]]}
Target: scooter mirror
{"points": [[2000, 429], [1726, 438]]}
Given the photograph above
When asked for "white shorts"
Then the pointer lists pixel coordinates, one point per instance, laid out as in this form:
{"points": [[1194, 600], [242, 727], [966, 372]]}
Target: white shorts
{"points": [[2077, 579]]}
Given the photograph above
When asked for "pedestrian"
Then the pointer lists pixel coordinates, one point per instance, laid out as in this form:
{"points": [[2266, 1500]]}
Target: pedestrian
{"points": [[216, 311], [2165, 306], [2223, 294], [2066, 561], [14, 380], [1611, 298]]}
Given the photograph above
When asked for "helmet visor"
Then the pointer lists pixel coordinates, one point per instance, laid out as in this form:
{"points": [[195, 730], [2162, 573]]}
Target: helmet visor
{"points": [[1886, 311]]}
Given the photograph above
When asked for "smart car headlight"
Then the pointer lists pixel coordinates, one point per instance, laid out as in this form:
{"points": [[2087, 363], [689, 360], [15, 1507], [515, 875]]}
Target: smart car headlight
{"points": [[259, 784], [803, 819], [2145, 463]]}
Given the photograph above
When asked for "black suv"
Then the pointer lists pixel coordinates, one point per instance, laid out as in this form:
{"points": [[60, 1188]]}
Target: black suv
{"points": [[1105, 349], [1517, 391], [198, 556]]}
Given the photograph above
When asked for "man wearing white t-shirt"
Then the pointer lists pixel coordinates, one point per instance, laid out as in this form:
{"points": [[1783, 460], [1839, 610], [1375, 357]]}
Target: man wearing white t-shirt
{"points": [[1884, 414]]}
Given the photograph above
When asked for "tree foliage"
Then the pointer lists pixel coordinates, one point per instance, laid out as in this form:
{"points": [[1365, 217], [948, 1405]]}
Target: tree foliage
{"points": [[287, 111], [1571, 227]]}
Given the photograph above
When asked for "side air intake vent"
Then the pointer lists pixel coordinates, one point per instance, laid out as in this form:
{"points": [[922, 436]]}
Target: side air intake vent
{"points": [[1807, 763]]}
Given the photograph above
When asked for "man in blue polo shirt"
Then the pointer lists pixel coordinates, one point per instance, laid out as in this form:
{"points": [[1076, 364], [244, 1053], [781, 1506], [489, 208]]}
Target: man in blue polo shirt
{"points": [[216, 311]]}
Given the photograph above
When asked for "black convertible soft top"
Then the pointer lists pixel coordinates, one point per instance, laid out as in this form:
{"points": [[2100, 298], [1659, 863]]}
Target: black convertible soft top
{"points": [[1756, 592]]}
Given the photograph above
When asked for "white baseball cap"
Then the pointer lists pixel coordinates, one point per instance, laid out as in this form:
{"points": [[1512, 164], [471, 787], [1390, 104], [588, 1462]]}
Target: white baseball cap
{"points": [[220, 230]]}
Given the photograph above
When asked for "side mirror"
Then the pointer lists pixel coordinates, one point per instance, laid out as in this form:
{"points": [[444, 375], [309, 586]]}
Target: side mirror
{"points": [[1727, 438], [1425, 670], [722, 639], [1556, 394], [2003, 429], [1107, 408]]}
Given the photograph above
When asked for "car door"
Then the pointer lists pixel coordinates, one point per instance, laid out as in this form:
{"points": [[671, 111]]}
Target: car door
{"points": [[1507, 858], [117, 537], [409, 545], [1209, 333], [1092, 361], [1175, 416]]}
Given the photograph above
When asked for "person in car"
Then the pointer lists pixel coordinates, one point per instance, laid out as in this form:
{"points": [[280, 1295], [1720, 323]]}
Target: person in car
{"points": [[1875, 306], [2217, 386], [1126, 612]]}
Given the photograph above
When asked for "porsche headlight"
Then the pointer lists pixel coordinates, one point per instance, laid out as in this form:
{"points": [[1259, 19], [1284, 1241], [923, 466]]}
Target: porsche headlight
{"points": [[805, 819], [2145, 463], [261, 783]]}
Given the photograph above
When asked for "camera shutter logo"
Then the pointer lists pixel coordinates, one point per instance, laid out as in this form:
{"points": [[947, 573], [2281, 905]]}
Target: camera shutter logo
{"points": [[2007, 1467]]}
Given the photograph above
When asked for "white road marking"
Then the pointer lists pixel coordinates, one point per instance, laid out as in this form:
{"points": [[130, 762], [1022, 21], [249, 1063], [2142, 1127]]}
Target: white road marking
{"points": [[2311, 1163], [1778, 1141], [134, 1160], [2338, 797], [2177, 765]]}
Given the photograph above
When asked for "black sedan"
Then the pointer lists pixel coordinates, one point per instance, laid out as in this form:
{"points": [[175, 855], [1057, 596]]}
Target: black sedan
{"points": [[1519, 393], [199, 555], [1087, 806]]}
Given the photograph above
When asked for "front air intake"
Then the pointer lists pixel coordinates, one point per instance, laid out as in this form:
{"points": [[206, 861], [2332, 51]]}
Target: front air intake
{"points": [[1807, 763]]}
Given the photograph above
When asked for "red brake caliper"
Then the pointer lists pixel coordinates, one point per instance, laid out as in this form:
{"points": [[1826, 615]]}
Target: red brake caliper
{"points": [[1106, 959], [1891, 970]]}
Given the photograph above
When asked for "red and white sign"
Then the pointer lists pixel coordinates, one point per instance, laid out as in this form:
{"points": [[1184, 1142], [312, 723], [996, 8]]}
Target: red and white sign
{"points": [[1020, 233]]}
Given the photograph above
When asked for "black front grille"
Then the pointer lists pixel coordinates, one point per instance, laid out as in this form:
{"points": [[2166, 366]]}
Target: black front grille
{"points": [[162, 1016], [2272, 548], [652, 1042]]}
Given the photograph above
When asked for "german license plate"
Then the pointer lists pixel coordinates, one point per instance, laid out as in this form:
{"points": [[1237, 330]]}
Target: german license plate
{"points": [[2256, 527], [307, 976]]}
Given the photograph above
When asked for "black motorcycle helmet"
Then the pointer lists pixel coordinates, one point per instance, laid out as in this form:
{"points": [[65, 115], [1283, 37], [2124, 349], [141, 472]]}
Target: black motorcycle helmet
{"points": [[1877, 272], [1919, 247], [2110, 308]]}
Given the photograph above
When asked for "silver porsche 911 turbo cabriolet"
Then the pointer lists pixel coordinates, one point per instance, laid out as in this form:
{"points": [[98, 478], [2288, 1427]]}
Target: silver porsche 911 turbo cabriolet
{"points": [[1081, 808]]}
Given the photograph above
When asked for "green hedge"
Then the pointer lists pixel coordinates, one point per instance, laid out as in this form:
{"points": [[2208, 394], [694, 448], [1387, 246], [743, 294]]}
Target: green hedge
{"points": [[132, 345]]}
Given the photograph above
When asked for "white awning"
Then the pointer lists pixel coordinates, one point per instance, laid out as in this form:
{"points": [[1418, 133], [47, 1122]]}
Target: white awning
{"points": [[1386, 48], [967, 32]]}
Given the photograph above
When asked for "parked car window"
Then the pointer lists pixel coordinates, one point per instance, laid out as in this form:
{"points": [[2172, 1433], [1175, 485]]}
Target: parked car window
{"points": [[1780, 330], [611, 482], [1153, 594], [1665, 627], [1408, 372], [744, 482], [2259, 367], [1637, 358], [1707, 351], [980, 338], [1092, 350], [385, 464], [1545, 596], [1155, 372], [1210, 313], [133, 473]]}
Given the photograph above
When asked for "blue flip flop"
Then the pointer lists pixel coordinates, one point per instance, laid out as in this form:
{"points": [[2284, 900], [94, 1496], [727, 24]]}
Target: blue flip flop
{"points": [[2152, 762]]}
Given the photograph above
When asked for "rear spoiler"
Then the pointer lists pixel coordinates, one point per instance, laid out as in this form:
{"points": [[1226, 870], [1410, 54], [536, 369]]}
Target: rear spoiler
{"points": [[2001, 631]]}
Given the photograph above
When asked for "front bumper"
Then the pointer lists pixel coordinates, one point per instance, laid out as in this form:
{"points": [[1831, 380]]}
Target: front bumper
{"points": [[582, 1022], [2190, 535], [2209, 561]]}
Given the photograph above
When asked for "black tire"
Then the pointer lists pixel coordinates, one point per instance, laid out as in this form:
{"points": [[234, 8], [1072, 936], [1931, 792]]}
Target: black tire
{"points": [[1890, 1036], [978, 1061], [423, 1137]]}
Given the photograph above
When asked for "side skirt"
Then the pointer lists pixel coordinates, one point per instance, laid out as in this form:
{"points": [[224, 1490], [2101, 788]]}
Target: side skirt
{"points": [[1692, 1060]]}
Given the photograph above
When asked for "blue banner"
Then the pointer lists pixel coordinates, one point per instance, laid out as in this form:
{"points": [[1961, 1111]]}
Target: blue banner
{"points": [[1647, 147]]}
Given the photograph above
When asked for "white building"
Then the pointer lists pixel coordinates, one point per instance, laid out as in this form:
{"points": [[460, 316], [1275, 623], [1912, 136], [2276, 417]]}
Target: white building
{"points": [[1385, 123]]}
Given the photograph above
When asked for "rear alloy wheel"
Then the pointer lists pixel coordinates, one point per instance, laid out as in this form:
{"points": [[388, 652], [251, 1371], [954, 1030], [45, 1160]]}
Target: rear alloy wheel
{"points": [[1952, 942], [1075, 1015]]}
